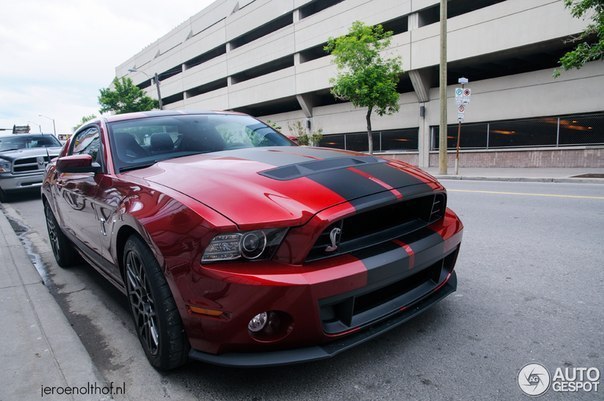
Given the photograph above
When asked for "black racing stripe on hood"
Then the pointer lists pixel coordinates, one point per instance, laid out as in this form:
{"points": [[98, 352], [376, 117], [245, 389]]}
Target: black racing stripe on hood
{"points": [[390, 175], [349, 185], [277, 156], [306, 168], [319, 153], [280, 156]]}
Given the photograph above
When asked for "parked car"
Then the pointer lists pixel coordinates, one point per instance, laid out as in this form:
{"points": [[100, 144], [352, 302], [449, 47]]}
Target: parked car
{"points": [[236, 247], [23, 160]]}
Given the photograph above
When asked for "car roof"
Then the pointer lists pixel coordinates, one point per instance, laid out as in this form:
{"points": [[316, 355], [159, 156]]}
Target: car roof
{"points": [[158, 113], [23, 135]]}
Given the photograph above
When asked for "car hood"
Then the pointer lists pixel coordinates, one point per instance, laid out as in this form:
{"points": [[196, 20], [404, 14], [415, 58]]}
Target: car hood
{"points": [[32, 152], [279, 186]]}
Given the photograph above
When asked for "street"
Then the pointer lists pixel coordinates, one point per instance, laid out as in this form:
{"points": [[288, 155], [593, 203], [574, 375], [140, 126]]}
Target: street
{"points": [[530, 282]]}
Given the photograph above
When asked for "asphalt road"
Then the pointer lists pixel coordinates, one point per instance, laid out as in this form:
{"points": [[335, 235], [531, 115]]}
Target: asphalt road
{"points": [[531, 283]]}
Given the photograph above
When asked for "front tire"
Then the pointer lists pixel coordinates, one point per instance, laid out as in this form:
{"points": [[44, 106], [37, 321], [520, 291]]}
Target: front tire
{"points": [[62, 248], [3, 196], [156, 318]]}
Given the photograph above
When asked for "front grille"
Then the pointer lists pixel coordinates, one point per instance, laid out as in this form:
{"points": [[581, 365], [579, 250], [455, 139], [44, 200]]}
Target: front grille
{"points": [[362, 308], [29, 164], [379, 225]]}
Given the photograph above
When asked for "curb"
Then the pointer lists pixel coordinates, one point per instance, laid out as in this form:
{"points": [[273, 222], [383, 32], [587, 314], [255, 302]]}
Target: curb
{"points": [[566, 180]]}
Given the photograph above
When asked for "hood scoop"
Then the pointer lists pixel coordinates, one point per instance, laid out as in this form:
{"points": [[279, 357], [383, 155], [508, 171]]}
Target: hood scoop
{"points": [[304, 169]]}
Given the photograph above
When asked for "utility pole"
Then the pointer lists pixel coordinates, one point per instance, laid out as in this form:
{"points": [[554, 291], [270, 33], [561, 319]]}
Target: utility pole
{"points": [[442, 131]]}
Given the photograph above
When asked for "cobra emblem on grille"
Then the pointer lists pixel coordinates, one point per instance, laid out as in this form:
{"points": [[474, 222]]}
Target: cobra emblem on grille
{"points": [[334, 237]]}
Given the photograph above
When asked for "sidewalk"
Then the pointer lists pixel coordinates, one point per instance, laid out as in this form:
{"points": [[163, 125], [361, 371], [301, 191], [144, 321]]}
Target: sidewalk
{"points": [[562, 175], [39, 347]]}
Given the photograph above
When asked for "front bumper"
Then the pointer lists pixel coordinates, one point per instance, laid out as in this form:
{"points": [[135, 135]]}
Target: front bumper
{"points": [[331, 304], [329, 350], [13, 182]]}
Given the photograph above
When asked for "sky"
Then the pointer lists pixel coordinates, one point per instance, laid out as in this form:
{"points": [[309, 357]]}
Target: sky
{"points": [[55, 55]]}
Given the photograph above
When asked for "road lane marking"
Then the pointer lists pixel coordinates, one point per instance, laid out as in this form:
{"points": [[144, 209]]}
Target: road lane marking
{"points": [[527, 194]]}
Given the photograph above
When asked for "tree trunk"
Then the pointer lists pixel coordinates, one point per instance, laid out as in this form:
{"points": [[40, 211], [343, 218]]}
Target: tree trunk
{"points": [[369, 133]]}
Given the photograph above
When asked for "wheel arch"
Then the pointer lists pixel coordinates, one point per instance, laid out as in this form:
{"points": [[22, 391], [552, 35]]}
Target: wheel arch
{"points": [[120, 243]]}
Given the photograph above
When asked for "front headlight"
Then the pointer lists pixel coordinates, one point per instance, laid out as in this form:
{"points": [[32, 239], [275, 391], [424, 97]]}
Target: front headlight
{"points": [[250, 245], [5, 166]]}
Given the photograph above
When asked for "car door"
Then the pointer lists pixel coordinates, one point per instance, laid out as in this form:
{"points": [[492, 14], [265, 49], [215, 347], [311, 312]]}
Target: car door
{"points": [[75, 193]]}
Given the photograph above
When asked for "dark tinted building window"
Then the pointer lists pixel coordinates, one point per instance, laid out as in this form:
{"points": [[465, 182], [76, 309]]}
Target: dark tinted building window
{"points": [[582, 130], [472, 136], [332, 141], [529, 133], [405, 139], [359, 142]]}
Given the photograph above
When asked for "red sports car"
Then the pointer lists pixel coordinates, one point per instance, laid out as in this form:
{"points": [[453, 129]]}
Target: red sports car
{"points": [[236, 247]]}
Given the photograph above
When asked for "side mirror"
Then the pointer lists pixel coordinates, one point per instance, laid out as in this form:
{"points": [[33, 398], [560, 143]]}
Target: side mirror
{"points": [[77, 164]]}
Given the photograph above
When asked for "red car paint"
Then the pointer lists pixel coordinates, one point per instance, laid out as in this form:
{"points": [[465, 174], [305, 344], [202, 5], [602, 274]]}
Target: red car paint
{"points": [[177, 206]]}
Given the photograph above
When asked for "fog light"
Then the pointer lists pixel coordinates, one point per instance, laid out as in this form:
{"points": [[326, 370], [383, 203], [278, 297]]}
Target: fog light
{"points": [[258, 322]]}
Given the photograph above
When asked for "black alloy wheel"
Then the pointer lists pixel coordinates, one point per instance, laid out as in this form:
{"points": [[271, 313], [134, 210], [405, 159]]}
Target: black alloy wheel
{"points": [[156, 318], [62, 248]]}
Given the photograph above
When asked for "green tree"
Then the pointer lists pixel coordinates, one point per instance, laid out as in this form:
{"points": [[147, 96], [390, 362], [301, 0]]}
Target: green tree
{"points": [[125, 97], [590, 43], [83, 121], [365, 78]]}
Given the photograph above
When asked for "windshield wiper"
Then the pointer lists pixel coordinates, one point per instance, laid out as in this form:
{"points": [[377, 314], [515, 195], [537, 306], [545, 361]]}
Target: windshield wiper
{"points": [[8, 150], [137, 166]]}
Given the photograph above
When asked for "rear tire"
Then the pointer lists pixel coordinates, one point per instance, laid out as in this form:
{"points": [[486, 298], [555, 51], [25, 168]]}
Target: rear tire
{"points": [[62, 248], [156, 317]]}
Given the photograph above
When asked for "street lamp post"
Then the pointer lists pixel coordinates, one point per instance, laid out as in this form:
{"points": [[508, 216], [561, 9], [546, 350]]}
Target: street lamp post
{"points": [[54, 128], [156, 79], [39, 126]]}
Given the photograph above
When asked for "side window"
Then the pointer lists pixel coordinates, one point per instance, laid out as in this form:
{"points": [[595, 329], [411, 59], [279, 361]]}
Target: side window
{"points": [[87, 142]]}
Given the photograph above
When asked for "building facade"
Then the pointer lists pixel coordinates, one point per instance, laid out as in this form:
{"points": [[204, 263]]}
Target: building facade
{"points": [[266, 58]]}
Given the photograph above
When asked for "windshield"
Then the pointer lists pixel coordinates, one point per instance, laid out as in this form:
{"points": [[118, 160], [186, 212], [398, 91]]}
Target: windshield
{"points": [[28, 142], [142, 142]]}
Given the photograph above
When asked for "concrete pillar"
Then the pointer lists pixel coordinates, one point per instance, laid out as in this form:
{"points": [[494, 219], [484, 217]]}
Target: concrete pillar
{"points": [[306, 104], [421, 81], [413, 21]]}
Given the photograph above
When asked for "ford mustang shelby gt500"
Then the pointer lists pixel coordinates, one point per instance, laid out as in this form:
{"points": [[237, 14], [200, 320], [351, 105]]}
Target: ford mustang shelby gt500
{"points": [[236, 247]]}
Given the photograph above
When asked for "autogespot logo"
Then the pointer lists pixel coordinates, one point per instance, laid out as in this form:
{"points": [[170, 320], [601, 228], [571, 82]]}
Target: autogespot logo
{"points": [[534, 379]]}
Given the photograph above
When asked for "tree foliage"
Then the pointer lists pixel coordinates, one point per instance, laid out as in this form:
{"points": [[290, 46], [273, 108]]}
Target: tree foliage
{"points": [[590, 43], [273, 125], [83, 121], [365, 78], [303, 136], [125, 97]]}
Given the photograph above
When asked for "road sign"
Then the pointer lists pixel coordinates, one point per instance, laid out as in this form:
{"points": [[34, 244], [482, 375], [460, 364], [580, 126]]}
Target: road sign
{"points": [[20, 129], [460, 112], [462, 96]]}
